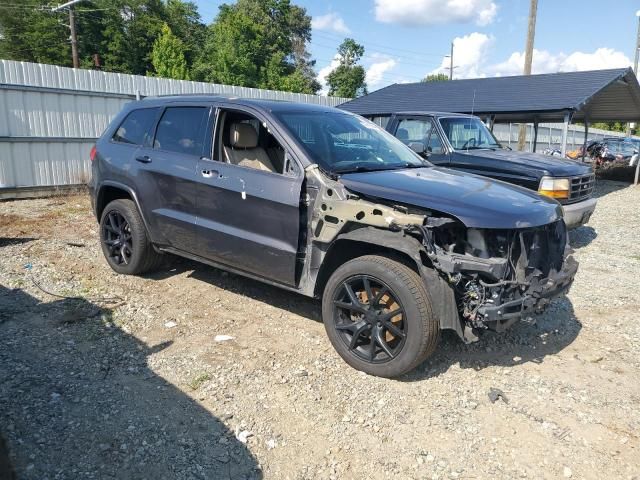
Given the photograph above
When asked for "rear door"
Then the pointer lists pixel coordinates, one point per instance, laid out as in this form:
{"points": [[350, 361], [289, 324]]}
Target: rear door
{"points": [[420, 129], [167, 179], [248, 218]]}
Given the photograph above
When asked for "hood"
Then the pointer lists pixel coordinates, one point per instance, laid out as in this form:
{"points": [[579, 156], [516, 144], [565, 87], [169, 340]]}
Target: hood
{"points": [[555, 166], [476, 201]]}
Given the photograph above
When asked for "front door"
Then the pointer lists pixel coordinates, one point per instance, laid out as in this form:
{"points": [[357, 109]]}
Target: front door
{"points": [[249, 198], [410, 129]]}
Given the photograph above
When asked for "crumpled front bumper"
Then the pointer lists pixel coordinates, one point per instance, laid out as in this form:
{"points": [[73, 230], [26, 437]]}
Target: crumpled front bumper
{"points": [[534, 300]]}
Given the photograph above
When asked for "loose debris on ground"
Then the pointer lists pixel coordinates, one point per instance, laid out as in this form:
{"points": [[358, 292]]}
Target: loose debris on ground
{"points": [[202, 374]]}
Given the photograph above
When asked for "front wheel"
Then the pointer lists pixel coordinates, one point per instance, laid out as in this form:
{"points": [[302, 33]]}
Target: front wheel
{"points": [[378, 316]]}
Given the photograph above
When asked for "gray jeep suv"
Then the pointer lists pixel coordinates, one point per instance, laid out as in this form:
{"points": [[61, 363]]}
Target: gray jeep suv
{"points": [[324, 203]]}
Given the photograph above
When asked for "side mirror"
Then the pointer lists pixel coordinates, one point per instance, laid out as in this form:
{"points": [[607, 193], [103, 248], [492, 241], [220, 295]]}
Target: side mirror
{"points": [[417, 147]]}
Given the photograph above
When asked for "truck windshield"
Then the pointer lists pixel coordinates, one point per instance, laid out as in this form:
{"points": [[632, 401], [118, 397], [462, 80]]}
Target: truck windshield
{"points": [[343, 143], [466, 133]]}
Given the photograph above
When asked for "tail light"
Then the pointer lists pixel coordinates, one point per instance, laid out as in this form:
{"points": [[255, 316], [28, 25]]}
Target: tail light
{"points": [[92, 154]]}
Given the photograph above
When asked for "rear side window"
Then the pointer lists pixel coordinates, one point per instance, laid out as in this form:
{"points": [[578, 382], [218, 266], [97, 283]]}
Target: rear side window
{"points": [[135, 128], [182, 130]]}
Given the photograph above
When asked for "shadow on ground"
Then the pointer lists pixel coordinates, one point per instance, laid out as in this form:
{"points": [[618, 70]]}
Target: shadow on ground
{"points": [[77, 400], [526, 341], [550, 333], [605, 186], [8, 241], [582, 236]]}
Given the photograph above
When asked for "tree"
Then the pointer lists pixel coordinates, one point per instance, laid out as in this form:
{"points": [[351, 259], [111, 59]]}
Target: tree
{"points": [[435, 77], [259, 43], [348, 78], [121, 32], [32, 34], [186, 24], [168, 57]]}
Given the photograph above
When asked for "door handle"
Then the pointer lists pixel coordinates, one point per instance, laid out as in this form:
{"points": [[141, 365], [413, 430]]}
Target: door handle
{"points": [[144, 159], [209, 173]]}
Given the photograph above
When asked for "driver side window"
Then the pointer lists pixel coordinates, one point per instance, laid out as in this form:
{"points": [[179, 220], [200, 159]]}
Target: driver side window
{"points": [[419, 130], [244, 140]]}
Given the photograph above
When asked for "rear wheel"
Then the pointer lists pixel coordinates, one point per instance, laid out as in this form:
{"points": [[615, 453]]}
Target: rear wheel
{"points": [[377, 314], [124, 240]]}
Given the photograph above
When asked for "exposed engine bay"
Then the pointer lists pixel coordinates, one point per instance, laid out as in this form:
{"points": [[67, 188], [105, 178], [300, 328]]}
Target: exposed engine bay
{"points": [[494, 276]]}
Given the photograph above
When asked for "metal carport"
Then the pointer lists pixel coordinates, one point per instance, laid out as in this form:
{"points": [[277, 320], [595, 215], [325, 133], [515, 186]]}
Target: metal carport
{"points": [[592, 96]]}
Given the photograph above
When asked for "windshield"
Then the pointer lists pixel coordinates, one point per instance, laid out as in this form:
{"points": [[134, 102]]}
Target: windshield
{"points": [[466, 133], [341, 143]]}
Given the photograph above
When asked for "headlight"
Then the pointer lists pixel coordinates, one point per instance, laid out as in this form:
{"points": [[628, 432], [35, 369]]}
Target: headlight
{"points": [[554, 187]]}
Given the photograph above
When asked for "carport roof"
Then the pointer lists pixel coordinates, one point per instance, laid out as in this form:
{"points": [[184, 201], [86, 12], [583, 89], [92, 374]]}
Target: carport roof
{"points": [[598, 95]]}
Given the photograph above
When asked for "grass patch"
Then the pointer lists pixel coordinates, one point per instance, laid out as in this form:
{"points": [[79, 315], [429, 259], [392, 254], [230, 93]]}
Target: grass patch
{"points": [[197, 381]]}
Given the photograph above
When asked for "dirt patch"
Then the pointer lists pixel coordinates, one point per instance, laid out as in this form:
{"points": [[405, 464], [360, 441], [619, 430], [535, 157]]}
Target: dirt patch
{"points": [[144, 390]]}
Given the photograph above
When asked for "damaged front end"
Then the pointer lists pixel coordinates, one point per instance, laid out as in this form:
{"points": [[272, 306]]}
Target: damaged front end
{"points": [[500, 276], [478, 278]]}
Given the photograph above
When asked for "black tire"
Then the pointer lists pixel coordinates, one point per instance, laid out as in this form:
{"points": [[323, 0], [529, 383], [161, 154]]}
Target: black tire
{"points": [[126, 245], [417, 329]]}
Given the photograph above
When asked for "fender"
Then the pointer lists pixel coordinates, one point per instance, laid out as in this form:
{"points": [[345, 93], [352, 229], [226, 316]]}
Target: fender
{"points": [[126, 188]]}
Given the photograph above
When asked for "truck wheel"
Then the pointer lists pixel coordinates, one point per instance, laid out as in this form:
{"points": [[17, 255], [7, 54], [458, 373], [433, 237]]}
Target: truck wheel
{"points": [[378, 316], [124, 240]]}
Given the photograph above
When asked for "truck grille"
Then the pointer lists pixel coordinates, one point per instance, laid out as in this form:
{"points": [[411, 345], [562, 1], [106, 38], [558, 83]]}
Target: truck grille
{"points": [[581, 187]]}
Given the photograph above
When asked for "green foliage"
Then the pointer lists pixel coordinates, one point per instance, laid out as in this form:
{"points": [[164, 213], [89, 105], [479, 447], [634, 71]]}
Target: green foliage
{"points": [[612, 126], [168, 57], [33, 34], [259, 43], [254, 43], [436, 77], [186, 24], [348, 79]]}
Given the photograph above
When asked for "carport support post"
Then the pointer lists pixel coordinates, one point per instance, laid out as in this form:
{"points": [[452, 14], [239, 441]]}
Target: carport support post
{"points": [[535, 135], [565, 132], [586, 135]]}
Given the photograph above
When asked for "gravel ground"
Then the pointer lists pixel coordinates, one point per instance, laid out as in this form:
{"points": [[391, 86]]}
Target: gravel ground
{"points": [[129, 380]]}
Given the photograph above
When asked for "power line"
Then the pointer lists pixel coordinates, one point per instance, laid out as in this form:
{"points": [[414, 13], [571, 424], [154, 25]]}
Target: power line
{"points": [[332, 36]]}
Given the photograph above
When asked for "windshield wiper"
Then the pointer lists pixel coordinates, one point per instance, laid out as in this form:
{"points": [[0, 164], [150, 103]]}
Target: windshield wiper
{"points": [[362, 168]]}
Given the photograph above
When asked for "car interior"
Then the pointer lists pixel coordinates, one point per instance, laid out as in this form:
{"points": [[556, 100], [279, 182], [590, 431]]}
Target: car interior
{"points": [[243, 140]]}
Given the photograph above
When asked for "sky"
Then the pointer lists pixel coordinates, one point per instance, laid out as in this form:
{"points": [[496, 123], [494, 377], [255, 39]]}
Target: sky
{"points": [[405, 40]]}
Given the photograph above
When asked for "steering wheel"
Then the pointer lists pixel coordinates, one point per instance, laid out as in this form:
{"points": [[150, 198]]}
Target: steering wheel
{"points": [[467, 143]]}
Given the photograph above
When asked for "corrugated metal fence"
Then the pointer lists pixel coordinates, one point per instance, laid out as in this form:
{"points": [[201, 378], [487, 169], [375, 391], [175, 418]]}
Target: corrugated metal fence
{"points": [[50, 116]]}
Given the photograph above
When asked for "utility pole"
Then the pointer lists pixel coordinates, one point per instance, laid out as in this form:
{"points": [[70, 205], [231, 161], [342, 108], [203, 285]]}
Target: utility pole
{"points": [[74, 38], [528, 60], [635, 63], [72, 27], [451, 62]]}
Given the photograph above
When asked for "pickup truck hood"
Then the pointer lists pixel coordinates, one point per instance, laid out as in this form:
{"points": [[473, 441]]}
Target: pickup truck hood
{"points": [[552, 165], [476, 201]]}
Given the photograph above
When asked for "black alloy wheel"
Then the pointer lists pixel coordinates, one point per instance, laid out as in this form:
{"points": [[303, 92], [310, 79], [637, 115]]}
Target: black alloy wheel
{"points": [[124, 240], [370, 319], [116, 236], [378, 316]]}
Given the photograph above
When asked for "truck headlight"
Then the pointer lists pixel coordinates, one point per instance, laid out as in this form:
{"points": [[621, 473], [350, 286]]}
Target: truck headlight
{"points": [[554, 187]]}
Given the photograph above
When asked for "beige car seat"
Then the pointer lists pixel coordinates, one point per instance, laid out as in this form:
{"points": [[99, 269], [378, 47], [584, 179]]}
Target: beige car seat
{"points": [[244, 149]]}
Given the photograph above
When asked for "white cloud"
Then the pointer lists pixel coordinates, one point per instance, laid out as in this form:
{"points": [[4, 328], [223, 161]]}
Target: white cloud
{"points": [[324, 71], [547, 62], [332, 22], [376, 70], [431, 12], [471, 54]]}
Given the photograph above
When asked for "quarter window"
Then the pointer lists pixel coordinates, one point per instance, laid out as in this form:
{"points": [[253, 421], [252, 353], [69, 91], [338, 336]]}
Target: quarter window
{"points": [[135, 128], [182, 130]]}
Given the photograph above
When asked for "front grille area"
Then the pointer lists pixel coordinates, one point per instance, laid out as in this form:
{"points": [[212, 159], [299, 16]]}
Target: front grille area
{"points": [[543, 248], [581, 187]]}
